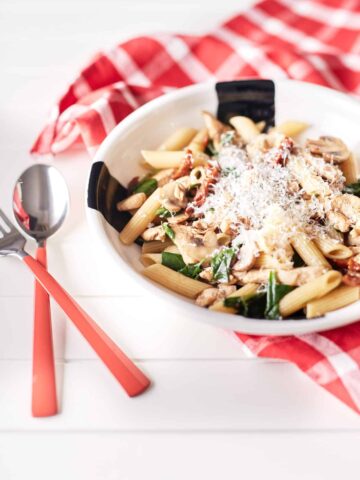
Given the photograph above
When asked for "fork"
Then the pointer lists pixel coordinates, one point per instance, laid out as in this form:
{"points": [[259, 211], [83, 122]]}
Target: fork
{"points": [[131, 378]]}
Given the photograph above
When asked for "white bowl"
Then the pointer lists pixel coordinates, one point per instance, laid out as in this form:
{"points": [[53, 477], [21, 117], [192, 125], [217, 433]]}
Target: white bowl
{"points": [[328, 112]]}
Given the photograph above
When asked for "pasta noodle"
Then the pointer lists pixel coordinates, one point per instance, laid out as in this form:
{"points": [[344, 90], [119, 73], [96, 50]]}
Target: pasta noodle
{"points": [[301, 296], [308, 251], [338, 298], [175, 281], [350, 169], [179, 139], [150, 258], [170, 159], [198, 143], [291, 128], [245, 127], [333, 250], [156, 246], [139, 222]]}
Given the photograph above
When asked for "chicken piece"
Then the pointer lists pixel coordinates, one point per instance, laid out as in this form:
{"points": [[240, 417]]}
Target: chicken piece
{"points": [[173, 196], [211, 295], [332, 149], [246, 257], [154, 233], [193, 246], [295, 277], [354, 237], [339, 221], [206, 274], [348, 205]]}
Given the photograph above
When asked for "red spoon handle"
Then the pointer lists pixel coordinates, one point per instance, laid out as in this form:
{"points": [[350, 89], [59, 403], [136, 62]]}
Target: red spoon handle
{"points": [[44, 400], [125, 371]]}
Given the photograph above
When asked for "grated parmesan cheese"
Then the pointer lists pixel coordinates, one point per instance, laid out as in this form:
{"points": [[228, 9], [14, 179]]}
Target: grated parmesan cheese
{"points": [[264, 201]]}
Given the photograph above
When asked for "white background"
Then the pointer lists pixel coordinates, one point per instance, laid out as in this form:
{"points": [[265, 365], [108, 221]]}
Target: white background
{"points": [[211, 413]]}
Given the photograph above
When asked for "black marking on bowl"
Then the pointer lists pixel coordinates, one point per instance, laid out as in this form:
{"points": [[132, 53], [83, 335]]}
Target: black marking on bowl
{"points": [[250, 98], [104, 192]]}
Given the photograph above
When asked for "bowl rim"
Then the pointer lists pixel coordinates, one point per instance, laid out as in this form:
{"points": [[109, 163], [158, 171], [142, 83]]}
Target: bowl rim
{"points": [[247, 325]]}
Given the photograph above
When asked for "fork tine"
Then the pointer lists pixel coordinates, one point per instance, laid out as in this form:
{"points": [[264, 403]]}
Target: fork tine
{"points": [[6, 220]]}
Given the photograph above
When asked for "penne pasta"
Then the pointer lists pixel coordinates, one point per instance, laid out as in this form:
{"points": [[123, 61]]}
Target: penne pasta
{"points": [[139, 222], [350, 169], [150, 258], [170, 159], [332, 249], [199, 142], [260, 126], [308, 251], [264, 260], [290, 128], [301, 296], [338, 298], [179, 139], [245, 291], [131, 203], [175, 281], [156, 246], [245, 127]]}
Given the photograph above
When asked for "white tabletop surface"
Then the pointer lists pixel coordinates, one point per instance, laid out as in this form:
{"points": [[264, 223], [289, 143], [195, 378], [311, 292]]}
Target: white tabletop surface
{"points": [[212, 413]]}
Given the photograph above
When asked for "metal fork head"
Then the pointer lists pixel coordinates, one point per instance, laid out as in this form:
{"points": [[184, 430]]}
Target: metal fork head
{"points": [[11, 241]]}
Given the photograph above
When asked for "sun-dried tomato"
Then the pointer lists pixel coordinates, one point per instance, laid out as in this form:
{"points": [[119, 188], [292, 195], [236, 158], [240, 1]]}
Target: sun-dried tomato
{"points": [[283, 151], [353, 265], [340, 262], [185, 166], [133, 184], [352, 279]]}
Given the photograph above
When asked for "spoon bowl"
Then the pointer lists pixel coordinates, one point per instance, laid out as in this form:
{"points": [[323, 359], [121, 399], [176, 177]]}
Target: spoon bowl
{"points": [[40, 201]]}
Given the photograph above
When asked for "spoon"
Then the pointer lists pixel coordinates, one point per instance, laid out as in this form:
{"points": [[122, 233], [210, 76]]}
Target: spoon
{"points": [[40, 205]]}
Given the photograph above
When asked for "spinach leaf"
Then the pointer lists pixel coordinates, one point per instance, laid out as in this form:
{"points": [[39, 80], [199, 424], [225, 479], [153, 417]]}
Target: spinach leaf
{"points": [[297, 260], [252, 306], [192, 270], [163, 212], [147, 186], [172, 260], [168, 230], [353, 188], [176, 262], [210, 149], [221, 263], [274, 293]]}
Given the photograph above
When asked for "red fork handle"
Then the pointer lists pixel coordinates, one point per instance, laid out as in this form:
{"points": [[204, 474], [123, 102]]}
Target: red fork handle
{"points": [[124, 370], [44, 400]]}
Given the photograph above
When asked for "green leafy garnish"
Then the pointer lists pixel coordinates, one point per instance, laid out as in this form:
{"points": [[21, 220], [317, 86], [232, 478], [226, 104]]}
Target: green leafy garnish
{"points": [[297, 260], [172, 260], [168, 230], [227, 138], [221, 263], [176, 262], [353, 188], [147, 186], [249, 306], [210, 149], [274, 293], [163, 212]]}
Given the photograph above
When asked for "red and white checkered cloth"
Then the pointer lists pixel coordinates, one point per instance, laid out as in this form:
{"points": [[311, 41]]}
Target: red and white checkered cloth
{"points": [[311, 40]]}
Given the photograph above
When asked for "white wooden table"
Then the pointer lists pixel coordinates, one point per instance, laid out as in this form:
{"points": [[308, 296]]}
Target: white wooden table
{"points": [[211, 413]]}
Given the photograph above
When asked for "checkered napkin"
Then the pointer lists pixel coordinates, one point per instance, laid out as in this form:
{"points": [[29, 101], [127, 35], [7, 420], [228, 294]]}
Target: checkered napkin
{"points": [[311, 40]]}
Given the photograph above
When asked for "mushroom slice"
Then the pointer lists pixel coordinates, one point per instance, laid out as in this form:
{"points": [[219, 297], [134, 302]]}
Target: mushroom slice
{"points": [[332, 149], [339, 221], [173, 196], [193, 246]]}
